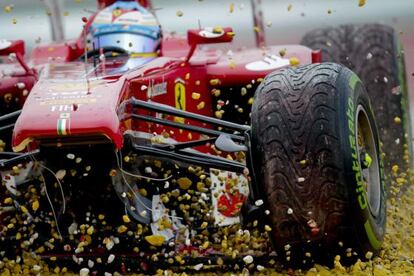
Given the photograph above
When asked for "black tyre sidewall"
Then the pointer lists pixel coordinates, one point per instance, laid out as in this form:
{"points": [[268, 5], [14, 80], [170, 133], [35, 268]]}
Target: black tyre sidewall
{"points": [[368, 229]]}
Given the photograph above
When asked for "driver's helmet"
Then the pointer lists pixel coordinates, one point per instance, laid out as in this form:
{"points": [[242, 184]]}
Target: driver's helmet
{"points": [[125, 25]]}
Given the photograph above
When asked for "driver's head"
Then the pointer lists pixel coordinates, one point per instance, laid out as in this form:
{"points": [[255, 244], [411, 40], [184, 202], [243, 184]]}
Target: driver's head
{"points": [[125, 25]]}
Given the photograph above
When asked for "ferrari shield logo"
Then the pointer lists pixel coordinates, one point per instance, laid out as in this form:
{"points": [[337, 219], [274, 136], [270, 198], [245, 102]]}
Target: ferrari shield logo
{"points": [[117, 12], [180, 102]]}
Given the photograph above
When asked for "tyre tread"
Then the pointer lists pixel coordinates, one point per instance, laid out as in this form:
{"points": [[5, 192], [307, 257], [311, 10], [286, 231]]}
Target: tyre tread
{"points": [[298, 103]]}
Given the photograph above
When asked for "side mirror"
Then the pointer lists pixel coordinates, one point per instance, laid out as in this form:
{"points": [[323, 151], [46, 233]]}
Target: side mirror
{"points": [[16, 47], [8, 47], [209, 35]]}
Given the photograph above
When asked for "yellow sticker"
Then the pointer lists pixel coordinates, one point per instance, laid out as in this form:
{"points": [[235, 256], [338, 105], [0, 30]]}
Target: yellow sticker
{"points": [[180, 101], [117, 12]]}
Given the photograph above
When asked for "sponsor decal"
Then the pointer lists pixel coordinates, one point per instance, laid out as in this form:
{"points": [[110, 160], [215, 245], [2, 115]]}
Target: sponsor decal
{"points": [[360, 191], [362, 200], [157, 89], [64, 107], [68, 98], [74, 86], [228, 194], [69, 101]]}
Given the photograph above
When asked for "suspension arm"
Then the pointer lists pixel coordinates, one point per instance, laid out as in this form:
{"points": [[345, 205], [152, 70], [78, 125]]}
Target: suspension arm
{"points": [[6, 127], [15, 160], [12, 115], [165, 109], [206, 131], [184, 145], [193, 157]]}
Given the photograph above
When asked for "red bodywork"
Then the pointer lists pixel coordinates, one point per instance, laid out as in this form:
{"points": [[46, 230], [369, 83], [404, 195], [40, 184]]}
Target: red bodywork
{"points": [[73, 102]]}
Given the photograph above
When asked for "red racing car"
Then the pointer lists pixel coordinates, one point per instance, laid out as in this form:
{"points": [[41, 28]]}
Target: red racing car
{"points": [[133, 143]]}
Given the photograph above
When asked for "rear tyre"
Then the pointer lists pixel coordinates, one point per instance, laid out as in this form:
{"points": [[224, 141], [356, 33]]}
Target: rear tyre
{"points": [[374, 53], [313, 135]]}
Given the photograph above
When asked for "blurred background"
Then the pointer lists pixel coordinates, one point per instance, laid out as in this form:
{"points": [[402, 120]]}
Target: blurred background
{"points": [[286, 21]]}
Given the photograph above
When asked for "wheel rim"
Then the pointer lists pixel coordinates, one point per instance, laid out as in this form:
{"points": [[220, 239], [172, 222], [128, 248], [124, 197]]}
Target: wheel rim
{"points": [[368, 159]]}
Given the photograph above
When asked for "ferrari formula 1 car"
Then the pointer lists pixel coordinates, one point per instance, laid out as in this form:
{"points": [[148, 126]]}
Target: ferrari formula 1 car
{"points": [[127, 142]]}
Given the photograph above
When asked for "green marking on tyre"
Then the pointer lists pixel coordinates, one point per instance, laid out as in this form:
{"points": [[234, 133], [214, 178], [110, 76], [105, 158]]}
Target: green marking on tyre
{"points": [[353, 81], [356, 166], [375, 243]]}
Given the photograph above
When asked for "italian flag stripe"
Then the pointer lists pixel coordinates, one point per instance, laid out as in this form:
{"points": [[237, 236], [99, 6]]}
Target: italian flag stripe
{"points": [[61, 127]]}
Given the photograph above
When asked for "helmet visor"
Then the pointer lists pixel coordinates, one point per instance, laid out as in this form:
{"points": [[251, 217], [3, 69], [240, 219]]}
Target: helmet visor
{"points": [[131, 43]]}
